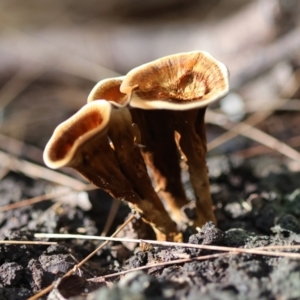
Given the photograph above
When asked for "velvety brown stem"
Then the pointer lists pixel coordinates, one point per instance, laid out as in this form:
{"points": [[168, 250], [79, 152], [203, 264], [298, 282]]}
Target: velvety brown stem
{"points": [[161, 155], [133, 167], [98, 163], [192, 142]]}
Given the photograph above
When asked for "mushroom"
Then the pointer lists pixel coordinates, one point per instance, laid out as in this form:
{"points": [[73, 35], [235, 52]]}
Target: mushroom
{"points": [[82, 142], [154, 132], [109, 89], [183, 84]]}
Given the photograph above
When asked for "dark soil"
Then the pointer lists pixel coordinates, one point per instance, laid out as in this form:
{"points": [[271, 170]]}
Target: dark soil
{"points": [[252, 210]]}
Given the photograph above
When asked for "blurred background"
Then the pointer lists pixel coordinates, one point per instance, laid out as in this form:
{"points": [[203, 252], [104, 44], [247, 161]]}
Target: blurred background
{"points": [[52, 53]]}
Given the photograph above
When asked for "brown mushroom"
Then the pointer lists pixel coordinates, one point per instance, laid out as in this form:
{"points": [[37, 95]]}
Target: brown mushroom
{"points": [[184, 84], [109, 89], [82, 142], [158, 146]]}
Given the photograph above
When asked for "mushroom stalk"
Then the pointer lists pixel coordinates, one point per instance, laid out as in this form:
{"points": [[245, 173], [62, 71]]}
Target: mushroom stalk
{"points": [[99, 165], [191, 140], [133, 167], [161, 155]]}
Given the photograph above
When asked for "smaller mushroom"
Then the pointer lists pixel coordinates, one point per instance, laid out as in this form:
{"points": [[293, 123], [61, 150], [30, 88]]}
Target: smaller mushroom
{"points": [[109, 89], [184, 84], [82, 142]]}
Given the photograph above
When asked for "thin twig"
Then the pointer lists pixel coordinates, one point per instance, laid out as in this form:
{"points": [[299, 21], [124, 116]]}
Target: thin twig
{"points": [[254, 134], [288, 90], [41, 198], [166, 263], [20, 149], [262, 149], [165, 243], [36, 171], [289, 105], [50, 287], [111, 216], [233, 129], [284, 247], [185, 260], [18, 83], [28, 243]]}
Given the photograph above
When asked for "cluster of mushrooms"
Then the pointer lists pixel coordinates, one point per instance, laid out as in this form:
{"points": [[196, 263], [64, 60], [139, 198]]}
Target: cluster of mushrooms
{"points": [[150, 119]]}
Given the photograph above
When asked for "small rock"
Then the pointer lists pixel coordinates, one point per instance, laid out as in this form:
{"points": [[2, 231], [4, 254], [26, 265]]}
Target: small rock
{"points": [[236, 237], [287, 223], [209, 235], [10, 273]]}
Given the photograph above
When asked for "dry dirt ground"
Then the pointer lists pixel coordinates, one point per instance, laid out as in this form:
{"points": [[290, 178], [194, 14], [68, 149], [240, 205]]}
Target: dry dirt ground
{"points": [[252, 211]]}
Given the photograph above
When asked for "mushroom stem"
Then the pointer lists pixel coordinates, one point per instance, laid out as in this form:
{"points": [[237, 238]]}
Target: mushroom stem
{"points": [[191, 139], [133, 167], [161, 155], [99, 165]]}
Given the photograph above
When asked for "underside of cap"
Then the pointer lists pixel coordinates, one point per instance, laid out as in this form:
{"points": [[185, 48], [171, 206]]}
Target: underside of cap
{"points": [[91, 120], [109, 89], [179, 82]]}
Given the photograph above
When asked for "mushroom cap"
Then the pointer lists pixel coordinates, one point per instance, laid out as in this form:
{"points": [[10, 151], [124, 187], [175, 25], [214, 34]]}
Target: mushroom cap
{"points": [[91, 120], [109, 89], [178, 82]]}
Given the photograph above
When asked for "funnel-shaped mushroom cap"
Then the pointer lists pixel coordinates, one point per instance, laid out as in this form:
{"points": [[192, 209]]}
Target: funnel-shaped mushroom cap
{"points": [[178, 82], [69, 136], [109, 89]]}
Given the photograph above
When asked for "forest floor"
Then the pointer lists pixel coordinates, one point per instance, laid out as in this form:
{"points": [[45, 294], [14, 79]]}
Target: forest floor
{"points": [[254, 208]]}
